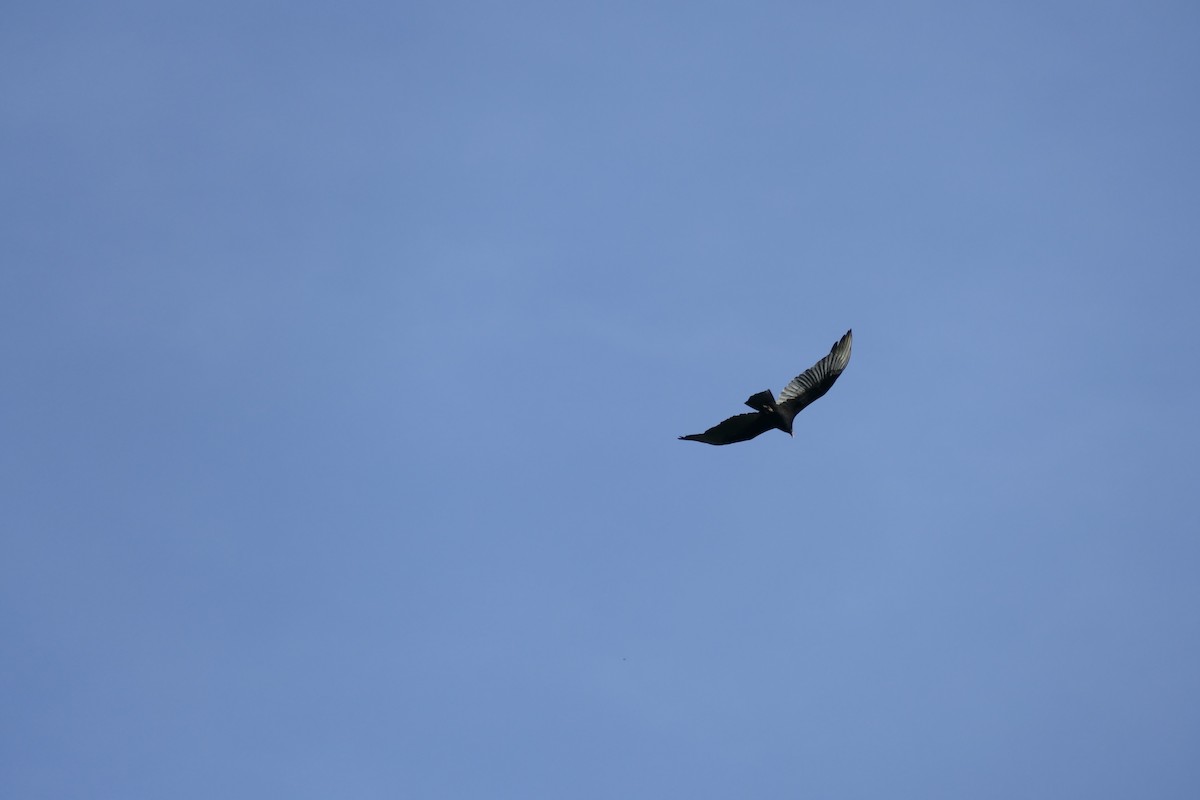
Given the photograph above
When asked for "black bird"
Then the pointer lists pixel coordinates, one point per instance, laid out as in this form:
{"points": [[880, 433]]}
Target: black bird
{"points": [[795, 397]]}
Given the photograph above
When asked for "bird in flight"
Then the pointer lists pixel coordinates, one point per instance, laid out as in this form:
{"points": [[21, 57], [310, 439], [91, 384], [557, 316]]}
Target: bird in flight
{"points": [[768, 413]]}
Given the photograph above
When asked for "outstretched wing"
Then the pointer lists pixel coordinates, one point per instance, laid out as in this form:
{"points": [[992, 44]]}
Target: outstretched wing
{"points": [[735, 429], [816, 380]]}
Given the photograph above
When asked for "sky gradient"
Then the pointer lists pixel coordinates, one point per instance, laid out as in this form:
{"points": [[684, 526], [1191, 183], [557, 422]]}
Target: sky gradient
{"points": [[346, 347]]}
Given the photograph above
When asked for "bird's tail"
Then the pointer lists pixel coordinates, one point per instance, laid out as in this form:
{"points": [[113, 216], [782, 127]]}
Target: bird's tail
{"points": [[763, 401]]}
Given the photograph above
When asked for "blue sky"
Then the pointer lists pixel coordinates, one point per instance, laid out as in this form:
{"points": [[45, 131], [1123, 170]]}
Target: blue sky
{"points": [[346, 347]]}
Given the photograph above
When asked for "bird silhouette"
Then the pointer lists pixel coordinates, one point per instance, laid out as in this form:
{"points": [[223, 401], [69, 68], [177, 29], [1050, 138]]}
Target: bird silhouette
{"points": [[769, 413]]}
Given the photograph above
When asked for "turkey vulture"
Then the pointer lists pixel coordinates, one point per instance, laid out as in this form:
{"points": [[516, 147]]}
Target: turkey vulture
{"points": [[804, 389]]}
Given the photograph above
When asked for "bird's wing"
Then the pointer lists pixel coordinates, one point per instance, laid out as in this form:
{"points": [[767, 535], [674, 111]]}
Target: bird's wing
{"points": [[816, 380], [739, 428]]}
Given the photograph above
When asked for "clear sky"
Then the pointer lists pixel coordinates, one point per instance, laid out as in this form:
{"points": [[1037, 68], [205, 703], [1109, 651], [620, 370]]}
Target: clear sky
{"points": [[345, 347]]}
